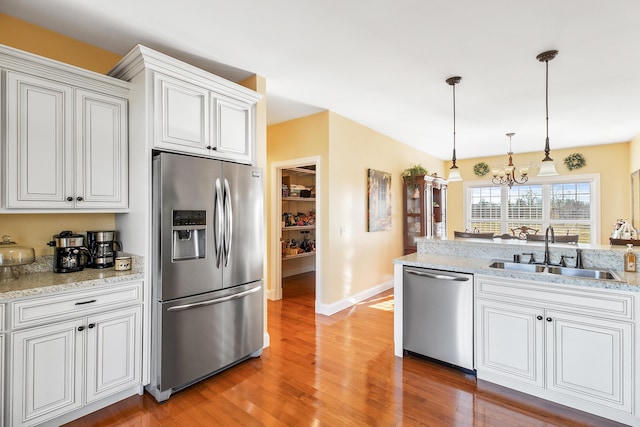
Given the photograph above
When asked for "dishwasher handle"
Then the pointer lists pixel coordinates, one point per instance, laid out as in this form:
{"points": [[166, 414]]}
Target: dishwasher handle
{"points": [[437, 276]]}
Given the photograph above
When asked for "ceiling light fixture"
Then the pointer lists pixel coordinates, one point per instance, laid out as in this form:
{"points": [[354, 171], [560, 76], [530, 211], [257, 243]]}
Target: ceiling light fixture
{"points": [[547, 168], [454, 172], [506, 174]]}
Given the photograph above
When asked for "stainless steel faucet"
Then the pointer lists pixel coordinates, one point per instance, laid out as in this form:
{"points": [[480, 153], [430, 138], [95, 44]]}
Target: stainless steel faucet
{"points": [[547, 254]]}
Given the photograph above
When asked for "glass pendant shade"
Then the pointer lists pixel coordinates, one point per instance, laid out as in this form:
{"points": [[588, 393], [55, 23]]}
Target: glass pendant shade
{"points": [[454, 174], [547, 168]]}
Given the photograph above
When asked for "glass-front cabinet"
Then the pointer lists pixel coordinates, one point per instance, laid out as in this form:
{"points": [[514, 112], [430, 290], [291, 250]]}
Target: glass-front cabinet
{"points": [[424, 210]]}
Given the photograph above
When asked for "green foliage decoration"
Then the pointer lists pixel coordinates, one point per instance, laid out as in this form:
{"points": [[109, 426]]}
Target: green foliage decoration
{"points": [[481, 169], [412, 172], [574, 161]]}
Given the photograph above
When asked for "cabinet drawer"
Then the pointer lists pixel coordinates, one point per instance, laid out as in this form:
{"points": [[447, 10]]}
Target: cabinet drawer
{"points": [[592, 301], [52, 308]]}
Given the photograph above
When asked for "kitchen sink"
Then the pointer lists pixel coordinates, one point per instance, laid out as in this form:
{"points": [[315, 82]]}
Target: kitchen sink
{"points": [[514, 266], [561, 271], [578, 272]]}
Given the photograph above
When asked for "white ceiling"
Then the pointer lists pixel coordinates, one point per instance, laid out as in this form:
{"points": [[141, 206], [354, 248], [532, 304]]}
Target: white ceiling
{"points": [[383, 63]]}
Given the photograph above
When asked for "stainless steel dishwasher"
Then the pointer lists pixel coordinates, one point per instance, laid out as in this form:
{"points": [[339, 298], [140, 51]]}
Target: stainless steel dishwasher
{"points": [[438, 315]]}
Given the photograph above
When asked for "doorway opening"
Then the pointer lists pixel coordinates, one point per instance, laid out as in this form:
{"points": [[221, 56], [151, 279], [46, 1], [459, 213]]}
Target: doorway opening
{"points": [[296, 246]]}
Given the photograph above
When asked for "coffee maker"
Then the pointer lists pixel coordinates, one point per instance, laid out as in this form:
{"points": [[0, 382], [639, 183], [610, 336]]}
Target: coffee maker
{"points": [[102, 246], [69, 252]]}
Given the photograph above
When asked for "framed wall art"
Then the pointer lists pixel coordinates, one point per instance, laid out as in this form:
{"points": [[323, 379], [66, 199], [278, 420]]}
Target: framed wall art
{"points": [[379, 204]]}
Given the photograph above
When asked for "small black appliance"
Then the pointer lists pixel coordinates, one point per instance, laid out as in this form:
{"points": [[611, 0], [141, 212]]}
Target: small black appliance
{"points": [[102, 247], [69, 252]]}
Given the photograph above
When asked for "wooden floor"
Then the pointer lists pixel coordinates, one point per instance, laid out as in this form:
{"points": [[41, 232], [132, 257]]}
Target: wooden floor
{"points": [[337, 371]]}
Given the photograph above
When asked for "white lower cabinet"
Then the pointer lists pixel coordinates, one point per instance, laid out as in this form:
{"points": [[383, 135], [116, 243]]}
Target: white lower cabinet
{"points": [[113, 352], [2, 363], [47, 372], [65, 364], [570, 345]]}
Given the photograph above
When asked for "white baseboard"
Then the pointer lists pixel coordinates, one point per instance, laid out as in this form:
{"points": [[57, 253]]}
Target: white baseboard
{"points": [[266, 340], [329, 309], [271, 295]]}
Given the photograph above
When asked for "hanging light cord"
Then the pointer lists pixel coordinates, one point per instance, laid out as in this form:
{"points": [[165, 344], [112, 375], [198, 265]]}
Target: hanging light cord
{"points": [[454, 123], [546, 97], [546, 57]]}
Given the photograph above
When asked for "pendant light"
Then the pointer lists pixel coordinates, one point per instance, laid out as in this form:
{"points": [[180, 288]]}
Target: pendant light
{"points": [[454, 172], [547, 167]]}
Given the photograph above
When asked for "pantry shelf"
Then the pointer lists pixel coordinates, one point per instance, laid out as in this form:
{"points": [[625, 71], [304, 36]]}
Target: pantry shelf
{"points": [[299, 228], [302, 255]]}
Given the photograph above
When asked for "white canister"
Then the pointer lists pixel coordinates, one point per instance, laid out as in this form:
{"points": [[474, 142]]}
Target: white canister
{"points": [[122, 263]]}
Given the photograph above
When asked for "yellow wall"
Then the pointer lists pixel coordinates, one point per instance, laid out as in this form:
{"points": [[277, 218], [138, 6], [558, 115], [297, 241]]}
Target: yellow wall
{"points": [[31, 38], [357, 260], [607, 160], [361, 259], [37, 229], [634, 153]]}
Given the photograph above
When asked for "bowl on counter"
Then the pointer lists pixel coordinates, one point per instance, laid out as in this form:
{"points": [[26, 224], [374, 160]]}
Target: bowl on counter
{"points": [[13, 255]]}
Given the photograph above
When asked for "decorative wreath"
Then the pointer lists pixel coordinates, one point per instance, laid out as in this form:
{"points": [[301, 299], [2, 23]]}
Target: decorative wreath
{"points": [[481, 169], [574, 161]]}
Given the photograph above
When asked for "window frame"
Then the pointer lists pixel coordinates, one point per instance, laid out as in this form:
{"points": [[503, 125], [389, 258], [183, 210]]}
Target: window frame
{"points": [[592, 179]]}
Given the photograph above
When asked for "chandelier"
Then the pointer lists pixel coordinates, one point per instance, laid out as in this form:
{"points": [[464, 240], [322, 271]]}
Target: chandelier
{"points": [[507, 174]]}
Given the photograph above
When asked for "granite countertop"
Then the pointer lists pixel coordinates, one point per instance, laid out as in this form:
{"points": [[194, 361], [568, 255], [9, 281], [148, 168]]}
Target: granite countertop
{"points": [[472, 265], [39, 279]]}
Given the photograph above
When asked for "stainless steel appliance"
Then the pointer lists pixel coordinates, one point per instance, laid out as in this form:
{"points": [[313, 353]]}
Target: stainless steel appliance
{"points": [[437, 311], [102, 246], [69, 254], [208, 301]]}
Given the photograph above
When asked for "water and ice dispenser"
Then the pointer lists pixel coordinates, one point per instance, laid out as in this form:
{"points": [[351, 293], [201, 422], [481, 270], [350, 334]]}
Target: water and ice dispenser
{"points": [[189, 235]]}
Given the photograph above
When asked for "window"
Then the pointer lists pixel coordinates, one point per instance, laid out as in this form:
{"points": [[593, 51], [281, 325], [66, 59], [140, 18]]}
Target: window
{"points": [[566, 203]]}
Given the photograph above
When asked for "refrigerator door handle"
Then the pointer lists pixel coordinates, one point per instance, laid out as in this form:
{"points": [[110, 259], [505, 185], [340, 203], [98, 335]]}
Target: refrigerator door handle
{"points": [[218, 227], [228, 220], [215, 300]]}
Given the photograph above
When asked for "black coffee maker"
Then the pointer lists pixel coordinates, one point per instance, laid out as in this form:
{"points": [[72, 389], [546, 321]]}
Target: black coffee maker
{"points": [[102, 246], [69, 252]]}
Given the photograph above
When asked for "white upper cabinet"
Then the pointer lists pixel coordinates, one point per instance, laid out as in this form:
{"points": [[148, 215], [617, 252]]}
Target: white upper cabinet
{"points": [[181, 115], [193, 111], [101, 151], [66, 137], [233, 129], [39, 142]]}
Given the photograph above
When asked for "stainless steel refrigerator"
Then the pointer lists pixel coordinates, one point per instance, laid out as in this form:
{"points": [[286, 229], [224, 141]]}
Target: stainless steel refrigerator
{"points": [[208, 303]]}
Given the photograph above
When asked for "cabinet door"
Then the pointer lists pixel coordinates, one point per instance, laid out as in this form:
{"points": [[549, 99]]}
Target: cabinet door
{"points": [[39, 143], [590, 359], [233, 129], [46, 373], [114, 356], [509, 341], [414, 215], [181, 115], [101, 154], [2, 382]]}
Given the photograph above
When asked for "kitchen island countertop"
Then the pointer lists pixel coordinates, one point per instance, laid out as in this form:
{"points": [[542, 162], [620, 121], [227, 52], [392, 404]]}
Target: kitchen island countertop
{"points": [[473, 265]]}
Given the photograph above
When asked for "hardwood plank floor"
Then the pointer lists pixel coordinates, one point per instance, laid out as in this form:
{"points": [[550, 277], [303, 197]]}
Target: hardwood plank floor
{"points": [[338, 371]]}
